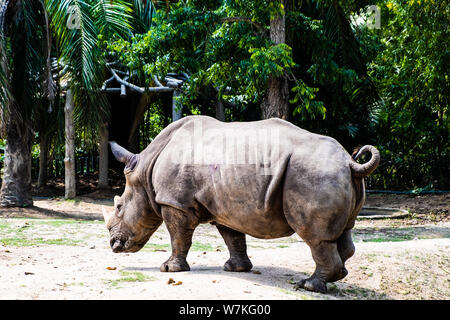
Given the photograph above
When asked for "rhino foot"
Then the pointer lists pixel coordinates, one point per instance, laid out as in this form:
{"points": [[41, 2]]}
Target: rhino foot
{"points": [[238, 265], [312, 284], [175, 265]]}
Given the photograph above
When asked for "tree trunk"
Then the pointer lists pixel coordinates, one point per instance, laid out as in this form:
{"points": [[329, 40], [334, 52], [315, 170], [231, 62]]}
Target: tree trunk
{"points": [[103, 158], [177, 111], [43, 159], [220, 112], [16, 183], [276, 102], [69, 160]]}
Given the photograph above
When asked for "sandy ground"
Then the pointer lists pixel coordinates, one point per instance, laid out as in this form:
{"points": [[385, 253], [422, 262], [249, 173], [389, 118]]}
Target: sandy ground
{"points": [[45, 253]]}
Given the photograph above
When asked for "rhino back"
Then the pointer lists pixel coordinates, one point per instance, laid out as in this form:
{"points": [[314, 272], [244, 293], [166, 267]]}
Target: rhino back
{"points": [[237, 171]]}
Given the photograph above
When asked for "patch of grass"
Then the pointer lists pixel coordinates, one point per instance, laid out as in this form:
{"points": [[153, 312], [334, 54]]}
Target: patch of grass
{"points": [[156, 246], [50, 222], [371, 257], [363, 267], [74, 201], [282, 246], [128, 276], [4, 229], [390, 239], [198, 246], [25, 242], [63, 222], [81, 284], [298, 295]]}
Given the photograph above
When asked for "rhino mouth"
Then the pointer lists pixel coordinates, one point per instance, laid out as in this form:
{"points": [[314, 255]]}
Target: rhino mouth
{"points": [[119, 244]]}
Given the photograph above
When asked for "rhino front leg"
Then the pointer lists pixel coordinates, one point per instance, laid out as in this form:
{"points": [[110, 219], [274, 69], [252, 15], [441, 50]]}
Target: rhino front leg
{"points": [[329, 267], [237, 247], [181, 227]]}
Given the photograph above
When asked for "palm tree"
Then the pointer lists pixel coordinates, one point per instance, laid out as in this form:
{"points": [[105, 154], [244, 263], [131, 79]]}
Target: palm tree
{"points": [[27, 76], [25, 29], [87, 67]]}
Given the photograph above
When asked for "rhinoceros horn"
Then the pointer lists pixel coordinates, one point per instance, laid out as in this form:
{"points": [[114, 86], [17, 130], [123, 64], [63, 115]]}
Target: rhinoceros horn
{"points": [[121, 154], [106, 215]]}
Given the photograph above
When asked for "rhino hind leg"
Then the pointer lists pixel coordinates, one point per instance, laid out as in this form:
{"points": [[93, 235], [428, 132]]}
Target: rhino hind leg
{"points": [[235, 241], [329, 267], [181, 227], [345, 245]]}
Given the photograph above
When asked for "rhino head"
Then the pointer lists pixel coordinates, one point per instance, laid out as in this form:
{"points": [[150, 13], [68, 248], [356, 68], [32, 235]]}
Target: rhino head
{"points": [[133, 221]]}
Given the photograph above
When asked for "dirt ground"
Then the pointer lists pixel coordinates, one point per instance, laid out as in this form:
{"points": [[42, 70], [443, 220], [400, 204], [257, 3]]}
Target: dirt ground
{"points": [[59, 249]]}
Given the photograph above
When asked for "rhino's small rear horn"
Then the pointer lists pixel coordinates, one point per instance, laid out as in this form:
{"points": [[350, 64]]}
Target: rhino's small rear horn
{"points": [[106, 215]]}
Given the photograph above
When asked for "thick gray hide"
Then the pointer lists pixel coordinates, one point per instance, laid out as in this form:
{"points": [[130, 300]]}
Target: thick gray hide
{"points": [[266, 178]]}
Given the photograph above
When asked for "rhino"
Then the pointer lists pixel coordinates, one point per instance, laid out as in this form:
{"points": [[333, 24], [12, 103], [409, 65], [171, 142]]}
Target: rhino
{"points": [[267, 179]]}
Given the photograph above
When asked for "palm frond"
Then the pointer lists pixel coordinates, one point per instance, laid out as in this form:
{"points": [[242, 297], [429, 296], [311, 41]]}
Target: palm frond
{"points": [[80, 50], [337, 28], [143, 11], [23, 59], [112, 17], [77, 42], [49, 85]]}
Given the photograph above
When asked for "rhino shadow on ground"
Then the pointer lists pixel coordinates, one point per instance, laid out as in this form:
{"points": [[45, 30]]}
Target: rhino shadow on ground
{"points": [[284, 280], [42, 213]]}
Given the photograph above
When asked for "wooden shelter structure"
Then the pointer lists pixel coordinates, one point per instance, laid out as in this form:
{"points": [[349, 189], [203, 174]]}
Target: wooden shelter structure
{"points": [[129, 102]]}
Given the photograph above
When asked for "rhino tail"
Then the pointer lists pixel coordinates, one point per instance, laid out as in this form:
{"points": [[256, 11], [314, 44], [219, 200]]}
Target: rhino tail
{"points": [[363, 170]]}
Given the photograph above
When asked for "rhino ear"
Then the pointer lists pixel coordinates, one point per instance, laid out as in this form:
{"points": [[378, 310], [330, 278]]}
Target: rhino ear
{"points": [[123, 155]]}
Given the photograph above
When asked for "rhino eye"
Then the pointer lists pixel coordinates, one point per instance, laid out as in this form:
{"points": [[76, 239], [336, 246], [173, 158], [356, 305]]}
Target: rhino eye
{"points": [[119, 206]]}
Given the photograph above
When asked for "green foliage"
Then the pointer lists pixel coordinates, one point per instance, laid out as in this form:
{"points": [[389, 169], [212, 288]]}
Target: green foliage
{"points": [[411, 74], [218, 49], [387, 87], [331, 72], [80, 51], [23, 61], [152, 125], [309, 107]]}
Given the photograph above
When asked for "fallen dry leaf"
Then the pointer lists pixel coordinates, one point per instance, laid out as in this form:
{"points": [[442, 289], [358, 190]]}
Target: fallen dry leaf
{"points": [[178, 283], [170, 281], [256, 272], [111, 268]]}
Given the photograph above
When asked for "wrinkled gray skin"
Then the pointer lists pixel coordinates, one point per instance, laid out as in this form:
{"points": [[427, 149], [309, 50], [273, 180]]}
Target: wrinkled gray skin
{"points": [[313, 187]]}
